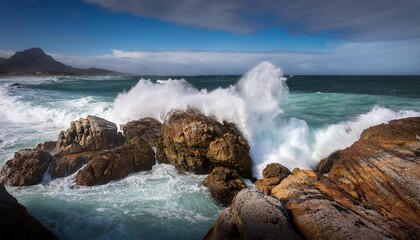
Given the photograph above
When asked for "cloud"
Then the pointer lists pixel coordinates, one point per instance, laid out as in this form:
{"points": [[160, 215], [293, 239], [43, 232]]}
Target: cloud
{"points": [[396, 57], [359, 20]]}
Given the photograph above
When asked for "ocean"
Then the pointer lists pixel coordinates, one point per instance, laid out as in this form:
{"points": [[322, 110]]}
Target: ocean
{"points": [[293, 120]]}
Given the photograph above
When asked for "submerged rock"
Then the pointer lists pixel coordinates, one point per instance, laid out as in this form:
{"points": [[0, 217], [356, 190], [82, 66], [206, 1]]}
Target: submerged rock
{"points": [[16, 223], [90, 134], [134, 156], [372, 191], [273, 174], [253, 216], [223, 184], [26, 168]]}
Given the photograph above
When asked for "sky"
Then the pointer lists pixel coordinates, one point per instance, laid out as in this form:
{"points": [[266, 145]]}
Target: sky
{"points": [[200, 37]]}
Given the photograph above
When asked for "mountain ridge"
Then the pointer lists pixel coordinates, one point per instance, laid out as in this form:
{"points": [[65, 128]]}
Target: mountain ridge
{"points": [[36, 61]]}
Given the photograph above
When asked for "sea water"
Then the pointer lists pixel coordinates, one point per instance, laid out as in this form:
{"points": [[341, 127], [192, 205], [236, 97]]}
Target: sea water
{"points": [[295, 121]]}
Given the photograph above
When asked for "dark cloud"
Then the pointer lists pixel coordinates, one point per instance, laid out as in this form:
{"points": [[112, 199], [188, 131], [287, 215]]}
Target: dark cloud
{"points": [[363, 20]]}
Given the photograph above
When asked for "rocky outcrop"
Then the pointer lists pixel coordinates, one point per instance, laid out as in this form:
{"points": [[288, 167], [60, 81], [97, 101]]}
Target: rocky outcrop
{"points": [[325, 165], [26, 168], [273, 174], [197, 143], [63, 166], [134, 156], [90, 134], [15, 221], [149, 129], [372, 190], [223, 184], [253, 216]]}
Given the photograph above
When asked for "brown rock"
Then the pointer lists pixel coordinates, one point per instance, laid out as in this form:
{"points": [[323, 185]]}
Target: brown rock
{"points": [[26, 168], [63, 166], [15, 221], [149, 129], [325, 165], [273, 174], [223, 184], [253, 216], [49, 146], [231, 151], [90, 134], [134, 156], [186, 137], [372, 191]]}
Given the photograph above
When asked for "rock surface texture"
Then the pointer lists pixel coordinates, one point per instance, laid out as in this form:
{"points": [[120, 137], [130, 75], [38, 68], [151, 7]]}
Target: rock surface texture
{"points": [[197, 143], [273, 174], [253, 216], [15, 221], [90, 134], [223, 184], [149, 129], [134, 156], [26, 168], [372, 191]]}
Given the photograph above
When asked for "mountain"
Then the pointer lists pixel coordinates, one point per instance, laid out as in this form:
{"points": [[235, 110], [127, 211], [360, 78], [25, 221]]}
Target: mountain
{"points": [[2, 60], [34, 60]]}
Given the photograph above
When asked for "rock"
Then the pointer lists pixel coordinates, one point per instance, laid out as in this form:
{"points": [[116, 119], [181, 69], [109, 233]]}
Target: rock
{"points": [[49, 146], [372, 190], [134, 156], [63, 166], [231, 151], [26, 168], [223, 184], [325, 165], [90, 134], [186, 137], [273, 174], [149, 129], [15, 221], [197, 143], [253, 216]]}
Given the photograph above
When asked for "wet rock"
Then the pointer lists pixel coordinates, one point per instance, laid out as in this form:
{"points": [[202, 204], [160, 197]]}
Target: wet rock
{"points": [[273, 174], [15, 221], [49, 146], [90, 134], [197, 143], [26, 168], [372, 190], [253, 216], [63, 166], [325, 165], [223, 184], [231, 151], [186, 137], [149, 129], [134, 156]]}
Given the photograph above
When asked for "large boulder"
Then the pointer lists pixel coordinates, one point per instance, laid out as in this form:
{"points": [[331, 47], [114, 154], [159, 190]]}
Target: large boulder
{"points": [[223, 184], [26, 168], [186, 137], [231, 151], [149, 129], [15, 221], [90, 134], [197, 143], [134, 156], [273, 174], [253, 216], [372, 190]]}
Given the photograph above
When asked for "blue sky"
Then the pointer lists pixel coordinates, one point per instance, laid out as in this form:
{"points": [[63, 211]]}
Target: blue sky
{"points": [[218, 37]]}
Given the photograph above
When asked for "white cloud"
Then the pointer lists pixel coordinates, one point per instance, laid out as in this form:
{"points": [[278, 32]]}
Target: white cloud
{"points": [[397, 57]]}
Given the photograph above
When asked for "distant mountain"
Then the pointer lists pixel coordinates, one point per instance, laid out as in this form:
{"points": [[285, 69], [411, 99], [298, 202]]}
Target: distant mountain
{"points": [[2, 60], [34, 60]]}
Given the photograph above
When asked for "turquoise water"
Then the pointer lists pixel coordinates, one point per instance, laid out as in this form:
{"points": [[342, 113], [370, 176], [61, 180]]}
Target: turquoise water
{"points": [[295, 122]]}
